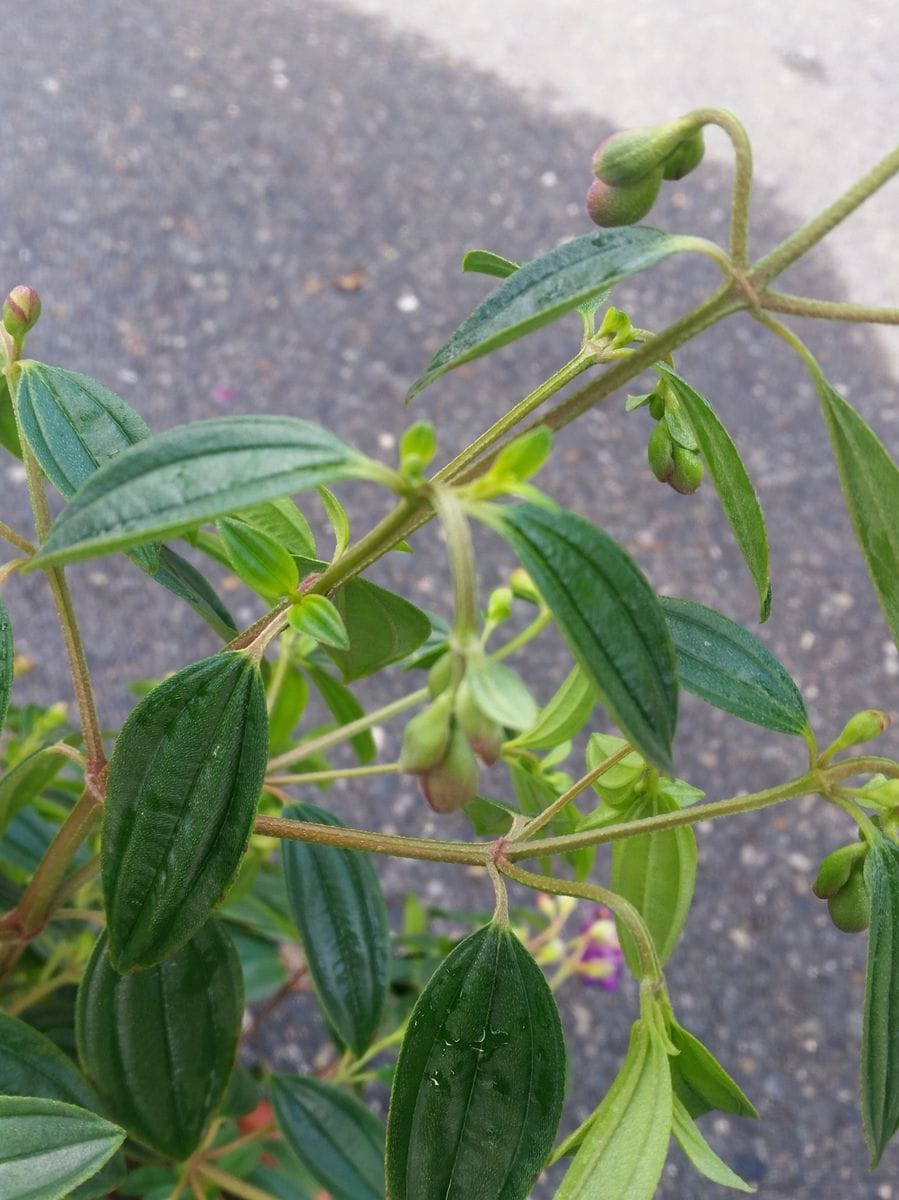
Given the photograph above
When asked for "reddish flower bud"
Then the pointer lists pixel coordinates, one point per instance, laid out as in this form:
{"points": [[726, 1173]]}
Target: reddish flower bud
{"points": [[610, 206], [21, 309]]}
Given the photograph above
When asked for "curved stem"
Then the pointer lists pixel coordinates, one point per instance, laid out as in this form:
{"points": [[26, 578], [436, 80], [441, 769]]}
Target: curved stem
{"points": [[739, 214]]}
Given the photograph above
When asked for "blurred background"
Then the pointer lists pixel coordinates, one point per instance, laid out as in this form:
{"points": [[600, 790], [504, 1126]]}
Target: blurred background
{"points": [[263, 208]]}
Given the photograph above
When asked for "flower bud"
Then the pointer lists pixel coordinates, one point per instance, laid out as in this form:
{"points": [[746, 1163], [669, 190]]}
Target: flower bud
{"points": [[628, 157], [685, 158], [656, 406], [21, 309], [850, 908], [440, 675], [608, 205], [523, 586], [427, 736], [454, 781], [835, 869], [864, 726], [499, 608], [659, 452], [485, 735], [688, 470]]}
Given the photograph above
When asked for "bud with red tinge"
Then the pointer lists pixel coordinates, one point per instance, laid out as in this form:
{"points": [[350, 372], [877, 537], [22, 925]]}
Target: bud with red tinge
{"points": [[627, 157], [21, 309], [609, 205]]}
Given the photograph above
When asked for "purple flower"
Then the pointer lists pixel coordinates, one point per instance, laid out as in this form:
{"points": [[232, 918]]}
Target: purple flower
{"points": [[601, 962]]}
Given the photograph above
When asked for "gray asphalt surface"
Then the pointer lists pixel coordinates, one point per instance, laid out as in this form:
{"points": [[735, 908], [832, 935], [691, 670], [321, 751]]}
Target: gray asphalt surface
{"points": [[184, 184]]}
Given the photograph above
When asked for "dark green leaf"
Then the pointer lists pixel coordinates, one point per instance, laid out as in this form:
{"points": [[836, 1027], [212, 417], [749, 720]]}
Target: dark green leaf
{"points": [[159, 1045], [6, 662], [554, 284], [609, 616], [260, 962], [184, 782], [625, 1146], [732, 483], [480, 1080], [336, 902], [9, 433], [344, 707], [382, 627], [722, 663], [657, 873], [285, 1178], [243, 1094], [700, 1081], [47, 1148], [24, 783], [563, 716], [31, 1065], [191, 474], [870, 482], [701, 1154], [490, 818], [880, 1027], [485, 262], [337, 1139], [183, 580]]}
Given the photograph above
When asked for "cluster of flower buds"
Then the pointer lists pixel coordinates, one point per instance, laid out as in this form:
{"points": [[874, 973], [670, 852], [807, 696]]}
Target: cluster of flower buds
{"points": [[629, 167], [673, 451], [841, 882]]}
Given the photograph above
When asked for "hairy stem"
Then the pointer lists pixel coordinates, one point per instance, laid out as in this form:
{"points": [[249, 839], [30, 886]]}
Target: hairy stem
{"points": [[739, 214], [470, 853], [15, 539], [827, 310], [337, 773]]}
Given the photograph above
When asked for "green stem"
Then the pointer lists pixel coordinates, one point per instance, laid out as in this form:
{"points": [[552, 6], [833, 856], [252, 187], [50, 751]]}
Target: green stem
{"points": [[793, 247], [231, 1184], [34, 995], [15, 539], [739, 214], [337, 773], [867, 827], [828, 310], [460, 552], [527, 634], [570, 794], [469, 853]]}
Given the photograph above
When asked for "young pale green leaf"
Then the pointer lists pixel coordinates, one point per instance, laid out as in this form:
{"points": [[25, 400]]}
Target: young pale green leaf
{"points": [[6, 660], [282, 520], [609, 616], [337, 1139], [344, 708], [547, 288], [535, 792], [485, 262], [184, 782], [382, 628], [500, 693], [701, 1154], [563, 716], [625, 1146], [9, 431], [732, 483], [657, 873], [319, 619], [194, 473], [480, 1080], [159, 1045], [32, 1065], [338, 519], [880, 1026], [24, 783], [48, 1148], [870, 480], [699, 1080], [183, 580], [337, 906], [259, 560], [722, 663]]}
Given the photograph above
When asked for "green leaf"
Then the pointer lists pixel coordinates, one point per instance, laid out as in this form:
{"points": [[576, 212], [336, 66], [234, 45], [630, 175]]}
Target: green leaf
{"points": [[480, 1080], [535, 792], [609, 616], [184, 781], [485, 262], [289, 705], [6, 661], [338, 519], [547, 288], [732, 483], [870, 480], [31, 1065], [337, 906], [722, 663], [243, 1094], [489, 817], [282, 520], [24, 783], [319, 619], [336, 1138], [563, 716], [261, 562], [880, 1026], [657, 873], [159, 1045], [382, 627], [344, 708], [191, 474], [183, 580], [9, 432], [260, 963], [700, 1082], [499, 693], [625, 1146], [701, 1154], [47, 1148]]}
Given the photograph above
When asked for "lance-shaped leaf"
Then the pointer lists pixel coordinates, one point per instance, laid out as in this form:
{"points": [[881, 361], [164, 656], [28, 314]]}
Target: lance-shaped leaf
{"points": [[32, 1065], [625, 1146], [259, 559], [689, 1137], [485, 262], [184, 781], [880, 1027], [870, 480], [337, 1139], [25, 782], [191, 474], [609, 616], [554, 284], [732, 483], [182, 579], [6, 660], [337, 906], [480, 1080], [563, 716], [159, 1045], [48, 1148], [657, 873], [700, 1081], [722, 663]]}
